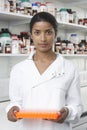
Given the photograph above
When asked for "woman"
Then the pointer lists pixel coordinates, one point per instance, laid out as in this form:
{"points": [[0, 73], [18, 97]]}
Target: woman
{"points": [[45, 81]]}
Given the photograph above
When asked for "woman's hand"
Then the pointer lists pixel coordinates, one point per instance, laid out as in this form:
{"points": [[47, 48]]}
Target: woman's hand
{"points": [[11, 114], [64, 113]]}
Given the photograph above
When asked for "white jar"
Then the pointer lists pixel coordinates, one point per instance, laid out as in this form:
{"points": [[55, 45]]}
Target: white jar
{"points": [[64, 16], [43, 8], [74, 38], [15, 46], [26, 7], [51, 8], [70, 47], [6, 6], [5, 39], [35, 8], [25, 3], [58, 16], [1, 5]]}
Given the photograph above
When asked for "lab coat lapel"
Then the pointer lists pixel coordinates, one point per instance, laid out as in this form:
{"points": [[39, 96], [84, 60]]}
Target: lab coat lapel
{"points": [[55, 70]]}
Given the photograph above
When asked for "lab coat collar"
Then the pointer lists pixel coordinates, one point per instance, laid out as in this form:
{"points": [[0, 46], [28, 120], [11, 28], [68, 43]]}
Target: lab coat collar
{"points": [[55, 70]]}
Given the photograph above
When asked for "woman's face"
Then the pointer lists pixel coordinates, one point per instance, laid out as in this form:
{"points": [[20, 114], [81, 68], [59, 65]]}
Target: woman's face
{"points": [[43, 35]]}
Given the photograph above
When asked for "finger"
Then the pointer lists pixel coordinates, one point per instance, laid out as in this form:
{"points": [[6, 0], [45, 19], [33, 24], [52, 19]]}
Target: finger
{"points": [[11, 117], [15, 109], [62, 118], [11, 114]]}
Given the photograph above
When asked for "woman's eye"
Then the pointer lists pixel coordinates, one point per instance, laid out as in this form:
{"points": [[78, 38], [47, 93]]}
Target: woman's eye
{"points": [[37, 32], [49, 32]]}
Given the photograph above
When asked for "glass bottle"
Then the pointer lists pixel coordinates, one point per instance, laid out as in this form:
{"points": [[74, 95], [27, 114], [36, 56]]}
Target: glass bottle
{"points": [[0, 48], [82, 45], [7, 48], [58, 45]]}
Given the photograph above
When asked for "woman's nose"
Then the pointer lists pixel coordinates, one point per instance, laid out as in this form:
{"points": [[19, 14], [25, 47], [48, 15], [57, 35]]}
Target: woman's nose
{"points": [[43, 37]]}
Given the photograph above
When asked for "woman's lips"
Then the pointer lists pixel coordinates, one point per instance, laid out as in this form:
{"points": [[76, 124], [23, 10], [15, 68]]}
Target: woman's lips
{"points": [[43, 44]]}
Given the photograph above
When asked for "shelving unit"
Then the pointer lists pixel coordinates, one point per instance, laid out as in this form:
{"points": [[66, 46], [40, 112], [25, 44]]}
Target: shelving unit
{"points": [[13, 19], [7, 61], [69, 27]]}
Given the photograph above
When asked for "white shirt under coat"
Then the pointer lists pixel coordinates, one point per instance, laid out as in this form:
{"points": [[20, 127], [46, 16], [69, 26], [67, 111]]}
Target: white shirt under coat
{"points": [[57, 87]]}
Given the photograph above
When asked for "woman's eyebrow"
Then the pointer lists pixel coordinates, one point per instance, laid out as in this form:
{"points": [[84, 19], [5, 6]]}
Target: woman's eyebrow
{"points": [[45, 30], [49, 29], [36, 30]]}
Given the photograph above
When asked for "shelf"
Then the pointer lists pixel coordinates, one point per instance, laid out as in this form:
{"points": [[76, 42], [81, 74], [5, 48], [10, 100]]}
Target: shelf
{"points": [[75, 55], [72, 26], [14, 18], [65, 55], [9, 55]]}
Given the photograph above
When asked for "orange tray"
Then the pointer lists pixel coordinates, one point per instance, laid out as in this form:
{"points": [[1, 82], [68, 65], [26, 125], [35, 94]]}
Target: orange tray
{"points": [[43, 115]]}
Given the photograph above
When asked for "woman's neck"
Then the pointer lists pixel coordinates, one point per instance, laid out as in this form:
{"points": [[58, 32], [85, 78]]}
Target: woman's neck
{"points": [[44, 56]]}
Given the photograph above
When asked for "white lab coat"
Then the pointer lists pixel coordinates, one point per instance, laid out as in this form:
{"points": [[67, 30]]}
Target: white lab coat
{"points": [[57, 87]]}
